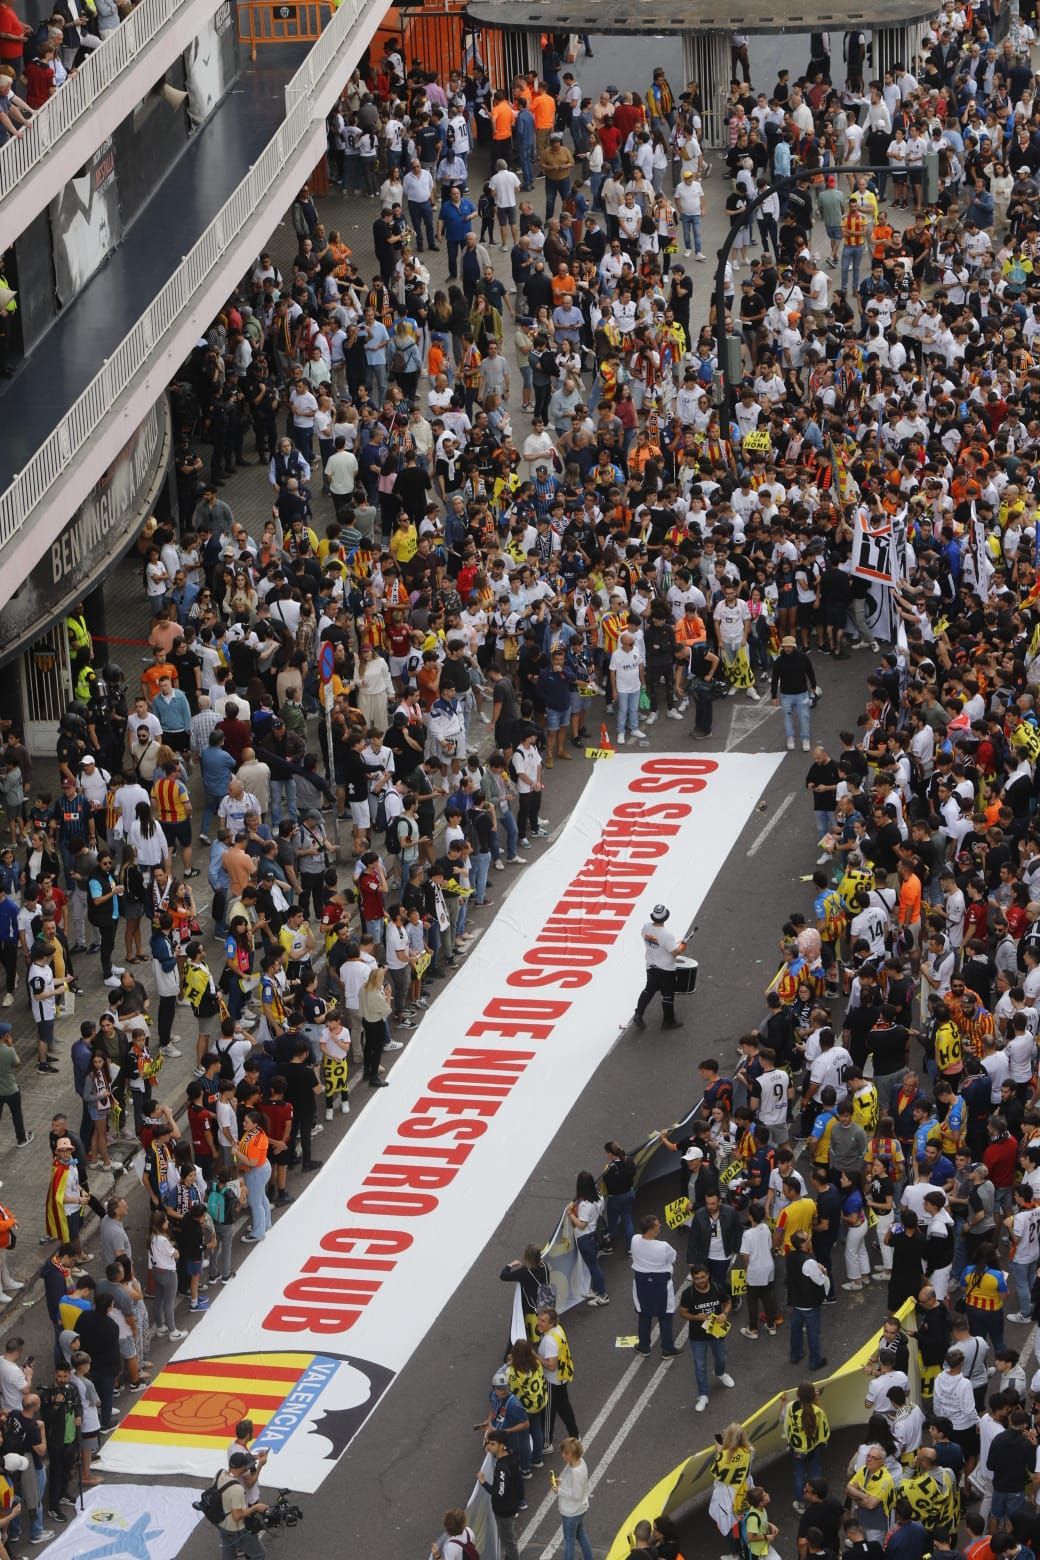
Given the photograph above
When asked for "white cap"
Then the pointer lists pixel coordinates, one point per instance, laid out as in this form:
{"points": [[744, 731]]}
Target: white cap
{"points": [[692, 1155]]}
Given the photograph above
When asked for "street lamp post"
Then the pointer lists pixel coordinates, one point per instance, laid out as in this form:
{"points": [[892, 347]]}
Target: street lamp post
{"points": [[778, 187]]}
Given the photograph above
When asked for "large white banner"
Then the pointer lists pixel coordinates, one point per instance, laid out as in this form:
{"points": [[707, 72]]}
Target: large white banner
{"points": [[129, 1522], [332, 1305]]}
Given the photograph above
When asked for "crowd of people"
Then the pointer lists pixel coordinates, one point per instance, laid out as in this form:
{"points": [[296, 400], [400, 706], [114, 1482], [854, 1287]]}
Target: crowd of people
{"points": [[645, 544]]}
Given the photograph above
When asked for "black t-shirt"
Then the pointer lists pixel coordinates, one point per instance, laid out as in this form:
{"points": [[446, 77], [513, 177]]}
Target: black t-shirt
{"points": [[826, 1515], [300, 1081], [887, 1044], [827, 775], [1011, 1460], [709, 1303]]}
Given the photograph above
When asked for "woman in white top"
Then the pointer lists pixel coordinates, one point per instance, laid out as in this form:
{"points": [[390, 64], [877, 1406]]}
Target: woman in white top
{"points": [[148, 840], [584, 1214], [572, 1494], [162, 1258], [652, 1290]]}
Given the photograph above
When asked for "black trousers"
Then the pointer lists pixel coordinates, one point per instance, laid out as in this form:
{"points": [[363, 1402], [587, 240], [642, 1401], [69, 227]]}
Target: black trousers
{"points": [[662, 981], [301, 1131], [9, 965], [312, 887], [560, 1404], [14, 1105], [164, 1024], [375, 1039], [107, 934]]}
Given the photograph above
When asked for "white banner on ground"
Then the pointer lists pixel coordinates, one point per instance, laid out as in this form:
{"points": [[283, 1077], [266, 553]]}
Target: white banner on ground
{"points": [[333, 1304], [129, 1522]]}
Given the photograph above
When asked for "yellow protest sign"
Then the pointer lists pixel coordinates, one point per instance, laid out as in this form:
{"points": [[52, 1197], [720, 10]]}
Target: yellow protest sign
{"points": [[626, 1341], [676, 1213], [738, 1281], [757, 439], [599, 752]]}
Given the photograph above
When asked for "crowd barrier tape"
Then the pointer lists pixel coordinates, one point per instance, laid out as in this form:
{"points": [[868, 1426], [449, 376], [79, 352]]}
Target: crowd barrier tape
{"points": [[842, 1397]]}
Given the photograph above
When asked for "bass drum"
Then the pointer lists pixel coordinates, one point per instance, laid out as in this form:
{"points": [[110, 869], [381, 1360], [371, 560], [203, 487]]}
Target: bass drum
{"points": [[685, 976]]}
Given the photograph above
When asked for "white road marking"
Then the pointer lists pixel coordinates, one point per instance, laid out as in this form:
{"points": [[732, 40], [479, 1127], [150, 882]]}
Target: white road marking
{"points": [[629, 1423], [763, 835], [745, 719]]}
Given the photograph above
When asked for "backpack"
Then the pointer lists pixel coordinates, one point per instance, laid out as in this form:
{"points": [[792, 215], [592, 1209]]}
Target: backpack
{"points": [[211, 1501], [393, 836], [227, 1066], [467, 1546], [379, 821]]}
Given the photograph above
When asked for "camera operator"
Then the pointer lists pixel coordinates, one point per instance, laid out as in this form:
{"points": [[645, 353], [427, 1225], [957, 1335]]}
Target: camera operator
{"points": [[236, 1537]]}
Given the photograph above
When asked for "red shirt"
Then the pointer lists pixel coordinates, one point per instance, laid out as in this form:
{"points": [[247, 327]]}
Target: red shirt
{"points": [[976, 920], [371, 896], [278, 1115], [201, 1122], [10, 22], [1001, 1160]]}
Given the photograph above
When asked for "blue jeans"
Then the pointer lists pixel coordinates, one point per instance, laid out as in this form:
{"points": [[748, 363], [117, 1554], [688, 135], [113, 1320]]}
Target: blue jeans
{"points": [[809, 1322], [699, 1349], [619, 1216], [792, 704], [691, 227], [587, 1246], [36, 1528], [824, 822], [1024, 1274], [851, 260], [375, 930], [507, 823], [574, 1528], [479, 867], [283, 796], [554, 187], [256, 1190], [209, 810], [628, 712], [807, 1467], [532, 1441]]}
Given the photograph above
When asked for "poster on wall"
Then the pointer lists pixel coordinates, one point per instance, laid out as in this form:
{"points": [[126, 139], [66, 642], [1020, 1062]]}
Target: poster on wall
{"points": [[86, 224], [210, 64]]}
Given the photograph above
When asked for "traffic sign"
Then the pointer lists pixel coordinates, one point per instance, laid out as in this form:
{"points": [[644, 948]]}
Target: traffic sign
{"points": [[326, 662]]}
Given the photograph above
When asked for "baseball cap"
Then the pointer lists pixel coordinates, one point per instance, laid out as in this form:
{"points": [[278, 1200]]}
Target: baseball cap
{"points": [[693, 1155], [87, 759]]}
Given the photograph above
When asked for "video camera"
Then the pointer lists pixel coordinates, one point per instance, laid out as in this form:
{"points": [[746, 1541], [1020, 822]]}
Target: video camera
{"points": [[281, 1513]]}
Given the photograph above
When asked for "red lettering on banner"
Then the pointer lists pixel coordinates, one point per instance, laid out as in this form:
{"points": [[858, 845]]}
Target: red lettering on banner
{"points": [[672, 810], [388, 1204], [426, 1127], [281, 1319], [378, 1243], [419, 1178], [533, 980], [673, 774], [594, 910]]}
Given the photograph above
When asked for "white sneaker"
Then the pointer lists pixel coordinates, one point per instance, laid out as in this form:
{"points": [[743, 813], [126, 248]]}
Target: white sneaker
{"points": [[12, 1283], [170, 1051], [112, 981], [727, 1380], [8, 1000], [700, 257], [1019, 1320], [642, 738], [674, 715], [394, 1045], [500, 865], [621, 739], [177, 1334], [853, 1286], [686, 254], [344, 1106], [329, 1113], [701, 1404], [806, 747], [160, 1332], [753, 694], [822, 861], [790, 744], [117, 969], [683, 705], [317, 1127], [651, 717]]}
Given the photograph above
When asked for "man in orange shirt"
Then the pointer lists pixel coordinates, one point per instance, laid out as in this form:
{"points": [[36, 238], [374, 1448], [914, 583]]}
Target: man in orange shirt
{"points": [[564, 286], [153, 675], [503, 118], [543, 107], [910, 901]]}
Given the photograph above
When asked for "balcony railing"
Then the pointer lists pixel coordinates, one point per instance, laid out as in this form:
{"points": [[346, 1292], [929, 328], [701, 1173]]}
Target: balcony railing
{"points": [[83, 420]]}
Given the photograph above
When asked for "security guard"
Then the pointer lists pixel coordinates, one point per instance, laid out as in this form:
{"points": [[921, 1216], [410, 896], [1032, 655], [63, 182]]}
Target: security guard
{"points": [[81, 646], [662, 950]]}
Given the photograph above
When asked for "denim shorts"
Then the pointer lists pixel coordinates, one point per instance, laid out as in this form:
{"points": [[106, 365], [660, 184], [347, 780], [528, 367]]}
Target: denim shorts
{"points": [[555, 720]]}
